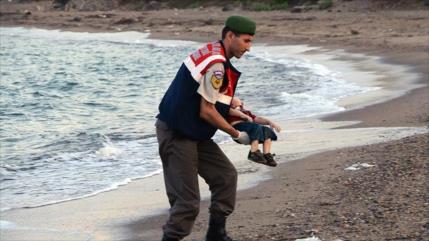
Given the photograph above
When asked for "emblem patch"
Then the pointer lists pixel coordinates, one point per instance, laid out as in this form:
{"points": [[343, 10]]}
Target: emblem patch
{"points": [[218, 74], [217, 79]]}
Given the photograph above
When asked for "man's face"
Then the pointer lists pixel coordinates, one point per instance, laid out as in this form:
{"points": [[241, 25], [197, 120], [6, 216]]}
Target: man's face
{"points": [[240, 44]]}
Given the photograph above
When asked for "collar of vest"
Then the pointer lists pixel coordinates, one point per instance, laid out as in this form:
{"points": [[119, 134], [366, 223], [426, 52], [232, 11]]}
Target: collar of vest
{"points": [[199, 61], [228, 63]]}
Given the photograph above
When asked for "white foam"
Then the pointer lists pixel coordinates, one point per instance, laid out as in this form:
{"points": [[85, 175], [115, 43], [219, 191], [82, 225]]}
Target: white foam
{"points": [[310, 104], [138, 159], [127, 37], [123, 37], [361, 77], [358, 166], [313, 238], [323, 86], [108, 151]]}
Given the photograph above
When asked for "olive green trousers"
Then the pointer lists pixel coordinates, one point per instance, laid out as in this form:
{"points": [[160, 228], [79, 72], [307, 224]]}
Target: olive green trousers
{"points": [[183, 160]]}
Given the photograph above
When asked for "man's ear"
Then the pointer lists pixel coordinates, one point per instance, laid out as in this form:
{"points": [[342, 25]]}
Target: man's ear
{"points": [[230, 35]]}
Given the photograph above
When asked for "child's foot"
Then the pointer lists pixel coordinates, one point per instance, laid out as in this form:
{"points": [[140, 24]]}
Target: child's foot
{"points": [[257, 156], [270, 159]]}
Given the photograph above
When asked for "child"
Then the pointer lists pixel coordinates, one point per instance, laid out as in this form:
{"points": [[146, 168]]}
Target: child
{"points": [[254, 126]]}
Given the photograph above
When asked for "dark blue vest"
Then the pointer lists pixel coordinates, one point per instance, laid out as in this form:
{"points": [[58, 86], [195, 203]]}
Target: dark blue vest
{"points": [[180, 106]]}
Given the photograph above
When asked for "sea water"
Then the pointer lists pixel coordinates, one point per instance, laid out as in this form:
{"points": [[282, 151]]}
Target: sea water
{"points": [[78, 109]]}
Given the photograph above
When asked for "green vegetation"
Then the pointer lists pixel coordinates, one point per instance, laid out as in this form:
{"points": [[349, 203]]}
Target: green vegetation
{"points": [[280, 4], [257, 5], [195, 4], [267, 5], [252, 5], [324, 4], [244, 4]]}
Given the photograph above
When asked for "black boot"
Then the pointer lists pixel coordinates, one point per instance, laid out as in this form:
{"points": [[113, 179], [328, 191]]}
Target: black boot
{"points": [[165, 238], [217, 230]]}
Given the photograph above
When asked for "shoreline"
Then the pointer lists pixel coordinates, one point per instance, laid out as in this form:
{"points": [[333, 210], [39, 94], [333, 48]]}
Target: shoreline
{"points": [[258, 174], [296, 212], [348, 65]]}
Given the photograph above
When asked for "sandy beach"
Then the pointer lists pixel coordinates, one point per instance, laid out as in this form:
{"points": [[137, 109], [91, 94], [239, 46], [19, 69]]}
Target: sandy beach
{"points": [[310, 192]]}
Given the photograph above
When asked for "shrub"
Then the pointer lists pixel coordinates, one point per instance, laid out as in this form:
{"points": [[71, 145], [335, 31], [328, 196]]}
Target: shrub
{"points": [[260, 6], [324, 4], [281, 4], [256, 5]]}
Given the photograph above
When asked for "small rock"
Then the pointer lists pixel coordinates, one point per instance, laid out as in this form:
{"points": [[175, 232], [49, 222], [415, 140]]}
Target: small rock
{"points": [[296, 9], [209, 21], [125, 21], [153, 5], [59, 4], [77, 19], [354, 32], [228, 7]]}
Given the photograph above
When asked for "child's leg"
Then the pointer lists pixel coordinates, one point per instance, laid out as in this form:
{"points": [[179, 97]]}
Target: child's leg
{"points": [[267, 155], [255, 154], [266, 146], [254, 145]]}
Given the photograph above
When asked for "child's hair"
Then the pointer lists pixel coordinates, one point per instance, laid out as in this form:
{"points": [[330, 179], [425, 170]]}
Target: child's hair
{"points": [[236, 102]]}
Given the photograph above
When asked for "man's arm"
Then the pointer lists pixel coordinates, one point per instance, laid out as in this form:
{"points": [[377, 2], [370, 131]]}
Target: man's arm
{"points": [[209, 113], [209, 91]]}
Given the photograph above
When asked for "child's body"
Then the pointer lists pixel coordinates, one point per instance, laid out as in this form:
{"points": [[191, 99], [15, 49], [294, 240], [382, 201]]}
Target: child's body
{"points": [[254, 126]]}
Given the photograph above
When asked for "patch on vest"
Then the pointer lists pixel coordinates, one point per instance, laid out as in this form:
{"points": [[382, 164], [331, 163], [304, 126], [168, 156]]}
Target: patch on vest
{"points": [[217, 79]]}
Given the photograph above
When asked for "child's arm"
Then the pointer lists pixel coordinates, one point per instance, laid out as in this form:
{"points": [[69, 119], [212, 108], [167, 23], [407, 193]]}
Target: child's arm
{"points": [[265, 121], [237, 113]]}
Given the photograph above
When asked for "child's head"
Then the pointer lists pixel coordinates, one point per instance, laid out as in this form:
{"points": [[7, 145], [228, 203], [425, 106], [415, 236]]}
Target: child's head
{"points": [[236, 102]]}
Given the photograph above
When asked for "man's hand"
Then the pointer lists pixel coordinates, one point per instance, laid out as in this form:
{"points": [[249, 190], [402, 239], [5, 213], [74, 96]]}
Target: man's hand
{"points": [[209, 113], [242, 138]]}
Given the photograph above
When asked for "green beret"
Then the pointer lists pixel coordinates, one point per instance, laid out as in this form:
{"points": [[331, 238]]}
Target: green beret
{"points": [[240, 24]]}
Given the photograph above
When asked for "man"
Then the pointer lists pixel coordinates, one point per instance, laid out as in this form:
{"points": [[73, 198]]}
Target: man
{"points": [[193, 108]]}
